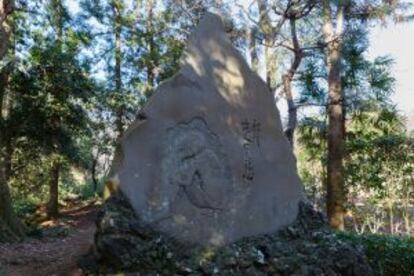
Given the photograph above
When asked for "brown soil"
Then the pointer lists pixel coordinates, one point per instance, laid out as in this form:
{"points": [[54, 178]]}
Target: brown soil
{"points": [[52, 256]]}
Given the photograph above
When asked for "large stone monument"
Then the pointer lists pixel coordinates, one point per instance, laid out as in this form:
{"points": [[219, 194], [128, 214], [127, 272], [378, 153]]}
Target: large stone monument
{"points": [[207, 161], [206, 168]]}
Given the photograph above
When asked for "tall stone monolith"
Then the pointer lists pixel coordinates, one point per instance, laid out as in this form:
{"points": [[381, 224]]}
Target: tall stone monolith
{"points": [[208, 182], [206, 161]]}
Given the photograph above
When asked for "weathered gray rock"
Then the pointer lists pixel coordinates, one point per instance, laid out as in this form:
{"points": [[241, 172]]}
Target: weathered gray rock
{"points": [[207, 161], [123, 244], [209, 184]]}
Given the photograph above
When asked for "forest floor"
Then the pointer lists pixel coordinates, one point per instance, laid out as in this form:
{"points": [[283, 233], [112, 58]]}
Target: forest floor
{"points": [[55, 254]]}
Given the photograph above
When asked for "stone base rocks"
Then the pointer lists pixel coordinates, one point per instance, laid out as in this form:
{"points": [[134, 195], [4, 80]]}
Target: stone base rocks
{"points": [[306, 247]]}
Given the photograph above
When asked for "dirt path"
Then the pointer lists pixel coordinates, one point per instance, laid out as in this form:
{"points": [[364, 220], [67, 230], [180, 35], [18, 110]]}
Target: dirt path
{"points": [[51, 256]]}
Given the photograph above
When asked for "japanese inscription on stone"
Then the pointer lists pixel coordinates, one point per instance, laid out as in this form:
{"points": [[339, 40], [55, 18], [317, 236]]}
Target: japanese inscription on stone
{"points": [[251, 137], [207, 162]]}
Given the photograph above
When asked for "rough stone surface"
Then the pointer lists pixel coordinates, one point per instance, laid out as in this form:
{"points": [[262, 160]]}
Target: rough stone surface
{"points": [[307, 247], [206, 162]]}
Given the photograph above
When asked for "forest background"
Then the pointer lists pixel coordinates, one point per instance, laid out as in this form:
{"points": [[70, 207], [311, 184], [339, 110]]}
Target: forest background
{"points": [[74, 74]]}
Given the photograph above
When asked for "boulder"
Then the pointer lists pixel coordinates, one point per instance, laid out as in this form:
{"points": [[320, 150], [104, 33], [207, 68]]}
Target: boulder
{"points": [[206, 161], [208, 181]]}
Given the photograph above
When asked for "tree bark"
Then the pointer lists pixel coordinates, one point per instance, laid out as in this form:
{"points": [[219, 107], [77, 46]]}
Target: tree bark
{"points": [[151, 62], [6, 8], [120, 112], [287, 79], [53, 204], [58, 21], [391, 217], [7, 215], [10, 224], [292, 109], [93, 169], [336, 129], [254, 58], [269, 33]]}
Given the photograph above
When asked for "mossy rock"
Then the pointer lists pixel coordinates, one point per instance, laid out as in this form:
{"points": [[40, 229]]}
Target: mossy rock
{"points": [[123, 244]]}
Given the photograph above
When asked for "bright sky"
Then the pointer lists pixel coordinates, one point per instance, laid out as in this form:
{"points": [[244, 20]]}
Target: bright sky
{"points": [[398, 42]]}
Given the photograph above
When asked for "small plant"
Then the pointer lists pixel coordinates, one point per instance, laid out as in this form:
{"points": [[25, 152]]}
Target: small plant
{"points": [[387, 255], [25, 207]]}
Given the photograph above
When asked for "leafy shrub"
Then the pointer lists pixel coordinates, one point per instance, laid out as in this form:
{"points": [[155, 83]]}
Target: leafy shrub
{"points": [[86, 191], [387, 255], [25, 207]]}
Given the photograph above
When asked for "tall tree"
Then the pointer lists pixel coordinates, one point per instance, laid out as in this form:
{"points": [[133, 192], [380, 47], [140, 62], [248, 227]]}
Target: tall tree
{"points": [[10, 226], [48, 113], [151, 61], [287, 80], [270, 33], [117, 8], [58, 18], [275, 35], [336, 16], [333, 29], [109, 34], [6, 8], [297, 12], [254, 58]]}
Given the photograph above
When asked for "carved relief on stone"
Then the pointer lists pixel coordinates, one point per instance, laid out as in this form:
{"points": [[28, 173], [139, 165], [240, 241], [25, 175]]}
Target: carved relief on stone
{"points": [[206, 161], [194, 165]]}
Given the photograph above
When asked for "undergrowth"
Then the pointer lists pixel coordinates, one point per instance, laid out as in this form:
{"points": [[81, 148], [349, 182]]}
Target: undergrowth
{"points": [[387, 255]]}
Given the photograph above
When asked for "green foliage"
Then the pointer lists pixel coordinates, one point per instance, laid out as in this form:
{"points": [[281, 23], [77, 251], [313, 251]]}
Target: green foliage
{"points": [[387, 255], [148, 51], [51, 94], [379, 162], [26, 207], [65, 100], [87, 190]]}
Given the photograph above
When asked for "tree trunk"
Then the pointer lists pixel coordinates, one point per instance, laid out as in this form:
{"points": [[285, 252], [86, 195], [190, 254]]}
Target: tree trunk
{"points": [[391, 217], [270, 58], [335, 198], [10, 226], [120, 112], [53, 204], [94, 180], [6, 8], [52, 210], [292, 109], [336, 141], [253, 49], [269, 39], [151, 62], [287, 84], [9, 222], [8, 218], [407, 223], [57, 20]]}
